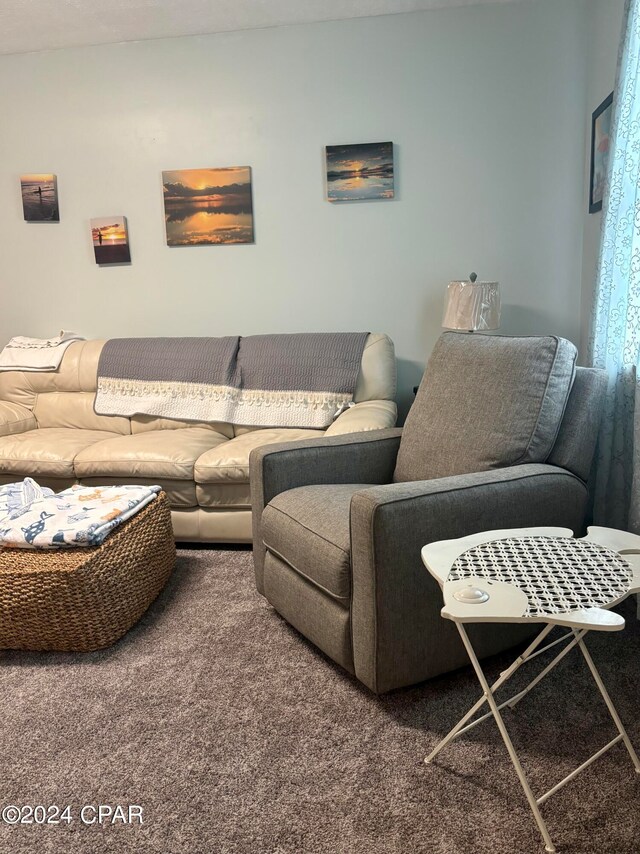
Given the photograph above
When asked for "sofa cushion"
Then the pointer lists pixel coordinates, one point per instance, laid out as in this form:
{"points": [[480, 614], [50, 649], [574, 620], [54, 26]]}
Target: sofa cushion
{"points": [[230, 462], [486, 401], [308, 527], [15, 418], [49, 451], [212, 526], [223, 494], [180, 493], [142, 423], [169, 454]]}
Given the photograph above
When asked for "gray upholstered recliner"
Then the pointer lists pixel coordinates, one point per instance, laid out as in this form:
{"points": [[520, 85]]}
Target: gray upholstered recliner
{"points": [[501, 435]]}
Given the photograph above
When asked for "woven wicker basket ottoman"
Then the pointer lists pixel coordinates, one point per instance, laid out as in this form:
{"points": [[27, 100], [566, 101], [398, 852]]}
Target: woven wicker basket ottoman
{"points": [[84, 599]]}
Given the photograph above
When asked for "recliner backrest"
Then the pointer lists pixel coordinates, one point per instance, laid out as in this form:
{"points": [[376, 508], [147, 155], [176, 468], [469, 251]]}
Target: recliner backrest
{"points": [[576, 442], [485, 402]]}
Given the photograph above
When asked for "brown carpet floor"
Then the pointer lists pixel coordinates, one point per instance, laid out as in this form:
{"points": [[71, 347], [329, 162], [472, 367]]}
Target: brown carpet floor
{"points": [[237, 737]]}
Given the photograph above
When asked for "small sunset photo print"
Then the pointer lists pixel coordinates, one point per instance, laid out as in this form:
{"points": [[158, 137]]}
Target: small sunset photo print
{"points": [[110, 240], [40, 197], [359, 172]]}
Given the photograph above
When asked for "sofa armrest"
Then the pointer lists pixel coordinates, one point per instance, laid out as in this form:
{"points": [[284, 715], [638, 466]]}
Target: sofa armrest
{"points": [[15, 418], [367, 415], [399, 637], [368, 457]]}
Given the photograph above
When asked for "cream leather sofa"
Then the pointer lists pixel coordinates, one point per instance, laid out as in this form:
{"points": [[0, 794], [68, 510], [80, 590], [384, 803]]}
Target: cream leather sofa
{"points": [[49, 431]]}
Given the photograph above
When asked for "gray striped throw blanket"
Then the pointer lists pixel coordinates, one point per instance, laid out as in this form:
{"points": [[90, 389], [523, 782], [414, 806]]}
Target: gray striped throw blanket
{"points": [[301, 380]]}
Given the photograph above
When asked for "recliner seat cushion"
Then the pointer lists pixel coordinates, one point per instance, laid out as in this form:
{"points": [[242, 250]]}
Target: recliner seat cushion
{"points": [[485, 402], [308, 527]]}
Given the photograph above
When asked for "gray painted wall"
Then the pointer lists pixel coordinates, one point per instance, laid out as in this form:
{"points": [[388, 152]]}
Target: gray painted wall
{"points": [[605, 28], [486, 107]]}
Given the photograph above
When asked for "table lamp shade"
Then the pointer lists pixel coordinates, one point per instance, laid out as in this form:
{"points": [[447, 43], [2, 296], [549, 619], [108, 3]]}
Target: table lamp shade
{"points": [[472, 306]]}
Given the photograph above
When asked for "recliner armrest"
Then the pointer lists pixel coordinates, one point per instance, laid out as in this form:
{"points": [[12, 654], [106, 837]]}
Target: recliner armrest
{"points": [[367, 457], [399, 637], [15, 418]]}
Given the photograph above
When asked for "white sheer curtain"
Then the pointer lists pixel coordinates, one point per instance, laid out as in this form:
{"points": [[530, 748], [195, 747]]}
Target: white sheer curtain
{"points": [[616, 327], [634, 512]]}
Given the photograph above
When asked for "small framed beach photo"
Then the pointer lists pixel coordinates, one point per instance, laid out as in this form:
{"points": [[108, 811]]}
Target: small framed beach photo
{"points": [[600, 144], [110, 240], [39, 197]]}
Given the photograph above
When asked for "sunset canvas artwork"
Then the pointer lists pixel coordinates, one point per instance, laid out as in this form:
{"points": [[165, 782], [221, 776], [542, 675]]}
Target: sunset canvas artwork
{"points": [[208, 206], [359, 172], [110, 240], [40, 197]]}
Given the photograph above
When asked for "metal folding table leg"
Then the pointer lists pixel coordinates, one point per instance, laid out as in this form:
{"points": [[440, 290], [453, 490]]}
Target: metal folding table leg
{"points": [[610, 706], [462, 726], [488, 693], [488, 697]]}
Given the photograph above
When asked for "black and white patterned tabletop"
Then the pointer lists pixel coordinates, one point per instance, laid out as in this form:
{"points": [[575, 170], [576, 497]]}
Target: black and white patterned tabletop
{"points": [[557, 574]]}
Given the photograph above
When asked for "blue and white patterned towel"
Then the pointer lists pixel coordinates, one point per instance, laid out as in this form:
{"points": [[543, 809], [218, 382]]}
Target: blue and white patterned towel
{"points": [[34, 517], [15, 498]]}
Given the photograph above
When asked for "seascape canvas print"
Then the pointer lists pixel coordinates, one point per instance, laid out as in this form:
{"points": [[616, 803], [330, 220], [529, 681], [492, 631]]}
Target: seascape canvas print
{"points": [[359, 172], [208, 206], [110, 240], [600, 143], [40, 198]]}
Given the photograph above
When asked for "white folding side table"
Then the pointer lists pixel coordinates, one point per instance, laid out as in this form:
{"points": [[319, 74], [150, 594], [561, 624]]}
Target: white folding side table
{"points": [[536, 575]]}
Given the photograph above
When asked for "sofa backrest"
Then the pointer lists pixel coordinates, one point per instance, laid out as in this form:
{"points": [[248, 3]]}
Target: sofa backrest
{"points": [[65, 398], [486, 401]]}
